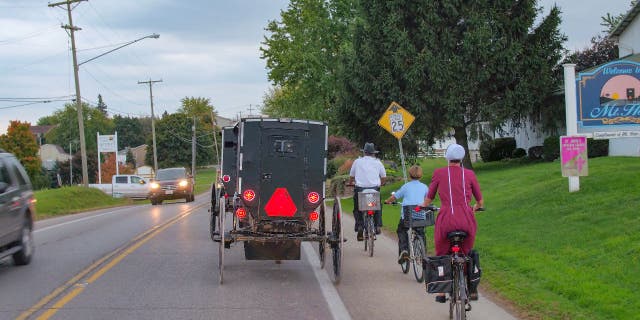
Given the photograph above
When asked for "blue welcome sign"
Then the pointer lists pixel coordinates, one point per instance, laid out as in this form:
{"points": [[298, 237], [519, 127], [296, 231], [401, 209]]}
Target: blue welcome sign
{"points": [[609, 97]]}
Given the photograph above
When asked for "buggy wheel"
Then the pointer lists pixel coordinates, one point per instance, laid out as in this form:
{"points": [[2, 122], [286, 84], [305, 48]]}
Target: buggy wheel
{"points": [[323, 234], [336, 234], [371, 231], [212, 224], [221, 244], [418, 252]]}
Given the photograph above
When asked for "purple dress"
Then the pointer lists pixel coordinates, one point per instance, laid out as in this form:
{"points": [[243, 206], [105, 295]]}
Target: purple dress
{"points": [[460, 216]]}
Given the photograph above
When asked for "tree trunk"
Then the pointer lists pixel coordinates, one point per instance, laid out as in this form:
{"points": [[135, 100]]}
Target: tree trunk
{"points": [[460, 133]]}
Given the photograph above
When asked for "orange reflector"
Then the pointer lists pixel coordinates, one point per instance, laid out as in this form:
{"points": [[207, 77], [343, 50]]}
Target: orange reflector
{"points": [[313, 197], [241, 213], [313, 216], [249, 195]]}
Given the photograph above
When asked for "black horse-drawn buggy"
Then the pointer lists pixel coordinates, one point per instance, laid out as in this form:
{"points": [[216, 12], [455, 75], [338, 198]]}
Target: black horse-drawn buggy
{"points": [[271, 188]]}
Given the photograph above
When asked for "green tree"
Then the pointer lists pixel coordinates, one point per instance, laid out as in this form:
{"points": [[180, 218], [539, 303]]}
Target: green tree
{"points": [[101, 105], [67, 126], [173, 142], [453, 64], [130, 131], [610, 22], [301, 54], [22, 143], [199, 107]]}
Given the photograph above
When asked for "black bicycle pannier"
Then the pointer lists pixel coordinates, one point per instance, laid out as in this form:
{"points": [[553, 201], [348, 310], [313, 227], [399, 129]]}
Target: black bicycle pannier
{"points": [[474, 272], [438, 274]]}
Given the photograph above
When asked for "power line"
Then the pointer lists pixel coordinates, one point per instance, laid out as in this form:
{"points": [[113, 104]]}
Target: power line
{"points": [[30, 103]]}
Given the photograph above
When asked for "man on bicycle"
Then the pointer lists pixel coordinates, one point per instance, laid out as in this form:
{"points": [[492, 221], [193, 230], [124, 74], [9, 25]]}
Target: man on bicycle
{"points": [[455, 186], [368, 173], [412, 193]]}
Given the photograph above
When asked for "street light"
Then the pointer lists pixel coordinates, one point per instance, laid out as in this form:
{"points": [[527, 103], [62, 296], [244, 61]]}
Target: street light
{"points": [[76, 66]]}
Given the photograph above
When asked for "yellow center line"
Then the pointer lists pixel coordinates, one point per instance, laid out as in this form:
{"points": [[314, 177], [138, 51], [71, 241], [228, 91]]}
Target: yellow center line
{"points": [[134, 244]]}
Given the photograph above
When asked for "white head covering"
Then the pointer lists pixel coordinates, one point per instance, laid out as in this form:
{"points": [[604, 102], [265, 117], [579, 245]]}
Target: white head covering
{"points": [[454, 152]]}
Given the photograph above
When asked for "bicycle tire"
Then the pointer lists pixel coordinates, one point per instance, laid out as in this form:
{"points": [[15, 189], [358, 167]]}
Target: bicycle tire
{"points": [[372, 234], [457, 307], [418, 255]]}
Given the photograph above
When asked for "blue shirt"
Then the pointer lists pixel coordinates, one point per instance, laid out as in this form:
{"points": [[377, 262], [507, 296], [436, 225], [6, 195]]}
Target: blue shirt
{"points": [[412, 193]]}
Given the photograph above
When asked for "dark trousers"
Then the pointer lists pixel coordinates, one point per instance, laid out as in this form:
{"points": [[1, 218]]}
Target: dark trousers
{"points": [[359, 216], [403, 237]]}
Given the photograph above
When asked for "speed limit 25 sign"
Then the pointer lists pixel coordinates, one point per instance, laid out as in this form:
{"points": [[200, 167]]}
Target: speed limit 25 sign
{"points": [[396, 120]]}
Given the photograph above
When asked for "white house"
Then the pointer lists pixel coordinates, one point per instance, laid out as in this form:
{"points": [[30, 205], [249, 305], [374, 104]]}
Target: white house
{"points": [[627, 37], [50, 154]]}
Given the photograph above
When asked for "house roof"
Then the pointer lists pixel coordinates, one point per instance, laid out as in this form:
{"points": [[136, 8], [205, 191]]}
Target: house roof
{"points": [[41, 129], [626, 21]]}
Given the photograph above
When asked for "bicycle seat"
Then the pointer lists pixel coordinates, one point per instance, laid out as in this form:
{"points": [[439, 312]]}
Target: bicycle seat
{"points": [[457, 235]]}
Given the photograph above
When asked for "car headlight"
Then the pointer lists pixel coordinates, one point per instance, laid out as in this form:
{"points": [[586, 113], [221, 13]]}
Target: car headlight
{"points": [[183, 183], [154, 185]]}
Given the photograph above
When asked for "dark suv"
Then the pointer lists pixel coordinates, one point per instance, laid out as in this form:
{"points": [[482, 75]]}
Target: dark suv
{"points": [[16, 210], [171, 183]]}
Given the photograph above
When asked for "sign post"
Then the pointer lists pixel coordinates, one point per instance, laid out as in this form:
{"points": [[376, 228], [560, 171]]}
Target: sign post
{"points": [[571, 112], [396, 120]]}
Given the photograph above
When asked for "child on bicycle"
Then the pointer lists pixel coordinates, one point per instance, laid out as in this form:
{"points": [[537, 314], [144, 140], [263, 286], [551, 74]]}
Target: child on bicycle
{"points": [[412, 193]]}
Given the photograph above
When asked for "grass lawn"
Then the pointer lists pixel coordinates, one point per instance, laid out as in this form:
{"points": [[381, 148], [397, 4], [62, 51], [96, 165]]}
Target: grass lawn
{"points": [[555, 254]]}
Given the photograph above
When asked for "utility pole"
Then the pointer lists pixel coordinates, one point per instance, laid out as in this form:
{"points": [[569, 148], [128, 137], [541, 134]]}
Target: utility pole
{"points": [[193, 149], [250, 109], [83, 146], [153, 125]]}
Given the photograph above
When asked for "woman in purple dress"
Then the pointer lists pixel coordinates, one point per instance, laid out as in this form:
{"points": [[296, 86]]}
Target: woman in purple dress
{"points": [[455, 185]]}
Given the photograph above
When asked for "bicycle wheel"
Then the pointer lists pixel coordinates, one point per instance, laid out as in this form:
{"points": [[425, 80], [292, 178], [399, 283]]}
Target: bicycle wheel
{"points": [[457, 306], [372, 234], [418, 254]]}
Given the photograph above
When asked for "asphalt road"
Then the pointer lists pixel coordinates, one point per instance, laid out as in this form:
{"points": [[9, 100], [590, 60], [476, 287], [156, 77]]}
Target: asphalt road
{"points": [[158, 262]]}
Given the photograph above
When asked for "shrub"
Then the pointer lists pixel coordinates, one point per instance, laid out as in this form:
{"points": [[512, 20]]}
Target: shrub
{"points": [[486, 146], [551, 148], [331, 169], [518, 153], [345, 168], [497, 149], [597, 148], [535, 153], [339, 145]]}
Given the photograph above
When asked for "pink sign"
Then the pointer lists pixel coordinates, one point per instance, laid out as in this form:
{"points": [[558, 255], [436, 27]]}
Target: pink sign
{"points": [[573, 155]]}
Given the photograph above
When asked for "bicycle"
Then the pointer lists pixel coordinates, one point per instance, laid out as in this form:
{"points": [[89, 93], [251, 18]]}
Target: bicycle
{"points": [[415, 217], [459, 296], [368, 204], [459, 302]]}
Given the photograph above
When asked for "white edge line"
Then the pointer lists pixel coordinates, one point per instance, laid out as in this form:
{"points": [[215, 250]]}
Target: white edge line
{"points": [[78, 220], [336, 306]]}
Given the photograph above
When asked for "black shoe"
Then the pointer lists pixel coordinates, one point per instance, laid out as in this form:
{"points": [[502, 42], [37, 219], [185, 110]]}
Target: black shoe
{"points": [[441, 299], [360, 237], [473, 296], [404, 256], [378, 231]]}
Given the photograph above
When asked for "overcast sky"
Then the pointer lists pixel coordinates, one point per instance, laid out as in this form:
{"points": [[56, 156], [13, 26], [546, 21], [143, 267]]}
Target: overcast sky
{"points": [[207, 48]]}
